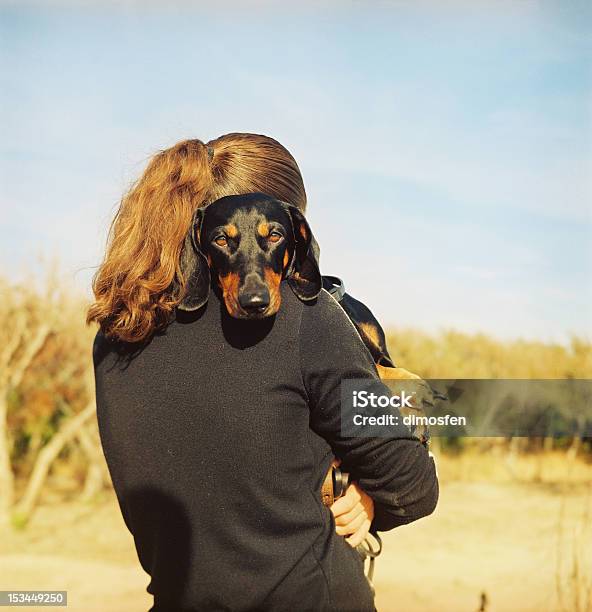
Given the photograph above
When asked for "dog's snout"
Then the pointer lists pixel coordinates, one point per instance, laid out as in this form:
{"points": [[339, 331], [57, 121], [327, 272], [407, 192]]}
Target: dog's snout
{"points": [[254, 300], [253, 296]]}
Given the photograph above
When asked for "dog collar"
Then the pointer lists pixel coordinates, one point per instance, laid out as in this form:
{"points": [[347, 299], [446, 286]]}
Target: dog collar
{"points": [[334, 286]]}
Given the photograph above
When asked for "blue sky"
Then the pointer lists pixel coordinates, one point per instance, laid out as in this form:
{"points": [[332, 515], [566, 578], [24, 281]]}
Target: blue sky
{"points": [[446, 147]]}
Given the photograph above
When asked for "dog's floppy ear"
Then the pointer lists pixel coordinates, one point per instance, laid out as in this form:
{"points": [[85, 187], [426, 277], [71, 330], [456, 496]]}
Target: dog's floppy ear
{"points": [[194, 267], [304, 277]]}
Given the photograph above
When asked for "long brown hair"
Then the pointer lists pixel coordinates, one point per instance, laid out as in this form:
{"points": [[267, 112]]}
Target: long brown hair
{"points": [[140, 281]]}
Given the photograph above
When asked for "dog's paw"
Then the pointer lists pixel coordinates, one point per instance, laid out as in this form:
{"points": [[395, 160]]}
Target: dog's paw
{"points": [[387, 373]]}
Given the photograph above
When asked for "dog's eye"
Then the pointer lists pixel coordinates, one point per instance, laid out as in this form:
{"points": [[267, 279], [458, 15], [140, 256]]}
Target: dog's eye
{"points": [[221, 241], [274, 237]]}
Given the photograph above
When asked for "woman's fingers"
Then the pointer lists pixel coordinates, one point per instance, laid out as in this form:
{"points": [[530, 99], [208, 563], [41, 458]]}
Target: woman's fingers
{"points": [[348, 517], [352, 526], [358, 537], [348, 502], [353, 514]]}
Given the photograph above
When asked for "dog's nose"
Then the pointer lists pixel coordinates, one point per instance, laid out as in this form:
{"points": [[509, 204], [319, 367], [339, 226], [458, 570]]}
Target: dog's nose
{"points": [[254, 301]]}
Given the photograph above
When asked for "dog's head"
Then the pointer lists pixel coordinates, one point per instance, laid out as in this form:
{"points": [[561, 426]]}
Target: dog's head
{"points": [[247, 244]]}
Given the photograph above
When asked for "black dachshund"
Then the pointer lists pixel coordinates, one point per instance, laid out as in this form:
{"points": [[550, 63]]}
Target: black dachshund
{"points": [[251, 243]]}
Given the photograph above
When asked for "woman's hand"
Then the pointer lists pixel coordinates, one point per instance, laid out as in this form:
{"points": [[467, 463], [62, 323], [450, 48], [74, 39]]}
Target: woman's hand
{"points": [[353, 514]]}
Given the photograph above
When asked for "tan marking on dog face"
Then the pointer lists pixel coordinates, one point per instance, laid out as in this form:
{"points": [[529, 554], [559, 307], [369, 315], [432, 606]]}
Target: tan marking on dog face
{"points": [[231, 230], [302, 230], [273, 280], [263, 229], [229, 285], [286, 259]]}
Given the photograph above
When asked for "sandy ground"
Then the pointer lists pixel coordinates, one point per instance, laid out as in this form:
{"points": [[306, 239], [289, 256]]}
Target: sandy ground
{"points": [[512, 542]]}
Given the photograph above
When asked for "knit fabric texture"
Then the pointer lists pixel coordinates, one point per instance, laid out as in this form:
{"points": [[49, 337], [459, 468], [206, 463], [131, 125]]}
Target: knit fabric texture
{"points": [[218, 434]]}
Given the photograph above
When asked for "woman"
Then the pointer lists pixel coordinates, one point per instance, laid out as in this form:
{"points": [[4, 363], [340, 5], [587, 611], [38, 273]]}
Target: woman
{"points": [[218, 476]]}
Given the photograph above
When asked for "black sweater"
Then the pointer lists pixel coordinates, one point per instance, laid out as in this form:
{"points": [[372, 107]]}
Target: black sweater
{"points": [[218, 434]]}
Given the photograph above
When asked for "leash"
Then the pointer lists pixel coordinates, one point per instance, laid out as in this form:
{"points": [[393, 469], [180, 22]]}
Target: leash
{"points": [[334, 487], [370, 548]]}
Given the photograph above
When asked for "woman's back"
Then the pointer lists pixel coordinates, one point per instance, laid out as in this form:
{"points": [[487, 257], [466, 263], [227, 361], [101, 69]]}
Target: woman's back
{"points": [[207, 433]]}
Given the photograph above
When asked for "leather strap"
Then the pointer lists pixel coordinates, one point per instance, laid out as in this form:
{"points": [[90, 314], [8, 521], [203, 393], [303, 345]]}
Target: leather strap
{"points": [[334, 485], [340, 482], [327, 496]]}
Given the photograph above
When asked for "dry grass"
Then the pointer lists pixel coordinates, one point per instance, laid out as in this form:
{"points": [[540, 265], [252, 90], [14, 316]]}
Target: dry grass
{"points": [[453, 354], [490, 462], [573, 574]]}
